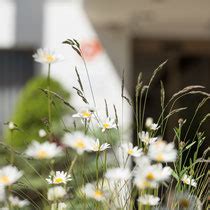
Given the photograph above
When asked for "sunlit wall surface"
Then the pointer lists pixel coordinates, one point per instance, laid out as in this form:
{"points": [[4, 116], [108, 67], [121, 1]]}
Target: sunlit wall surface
{"points": [[33, 24]]}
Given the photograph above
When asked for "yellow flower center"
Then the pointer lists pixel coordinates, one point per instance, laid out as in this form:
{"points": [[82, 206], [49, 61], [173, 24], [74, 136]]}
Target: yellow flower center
{"points": [[50, 58], [80, 144], [98, 194], [130, 151], [106, 125], [86, 114], [4, 179], [58, 180], [184, 203], [160, 157], [42, 154], [150, 176]]}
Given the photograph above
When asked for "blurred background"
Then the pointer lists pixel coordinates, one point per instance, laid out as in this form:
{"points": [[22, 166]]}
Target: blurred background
{"points": [[116, 35]]}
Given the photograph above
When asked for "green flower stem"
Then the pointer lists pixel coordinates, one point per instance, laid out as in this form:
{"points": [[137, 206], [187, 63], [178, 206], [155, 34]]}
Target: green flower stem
{"points": [[11, 151], [105, 166], [72, 164], [49, 98], [8, 192], [97, 168]]}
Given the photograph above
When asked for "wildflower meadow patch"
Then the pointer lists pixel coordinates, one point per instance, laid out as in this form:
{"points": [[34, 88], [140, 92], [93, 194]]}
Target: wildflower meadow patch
{"points": [[91, 165]]}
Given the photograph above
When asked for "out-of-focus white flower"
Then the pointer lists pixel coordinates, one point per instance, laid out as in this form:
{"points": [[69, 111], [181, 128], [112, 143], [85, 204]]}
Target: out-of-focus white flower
{"points": [[78, 141], [185, 200], [149, 200], [143, 161], [2, 193], [85, 113], [149, 176], [96, 146], [44, 150], [16, 202], [92, 191], [47, 56], [108, 124], [161, 151], [118, 174], [56, 193], [60, 177], [42, 133], [59, 206], [144, 136], [148, 122], [189, 180], [11, 125], [130, 150], [9, 175]]}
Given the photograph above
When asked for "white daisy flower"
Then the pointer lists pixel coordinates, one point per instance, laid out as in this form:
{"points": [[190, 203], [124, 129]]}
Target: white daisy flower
{"points": [[47, 56], [161, 151], [96, 146], [149, 176], [130, 150], [60, 177], [108, 124], [85, 113], [144, 136], [44, 150], [78, 141], [91, 191], [59, 206], [16, 202], [42, 133], [56, 193], [9, 175], [189, 180], [149, 200], [148, 122], [118, 174]]}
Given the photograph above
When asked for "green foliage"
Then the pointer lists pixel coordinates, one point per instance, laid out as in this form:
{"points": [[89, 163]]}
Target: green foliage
{"points": [[31, 112]]}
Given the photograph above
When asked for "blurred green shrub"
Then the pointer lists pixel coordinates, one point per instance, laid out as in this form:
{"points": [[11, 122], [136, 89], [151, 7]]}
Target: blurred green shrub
{"points": [[31, 112]]}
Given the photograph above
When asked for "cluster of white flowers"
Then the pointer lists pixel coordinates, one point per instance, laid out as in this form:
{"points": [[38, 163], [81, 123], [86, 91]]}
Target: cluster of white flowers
{"points": [[151, 158], [57, 193], [147, 175]]}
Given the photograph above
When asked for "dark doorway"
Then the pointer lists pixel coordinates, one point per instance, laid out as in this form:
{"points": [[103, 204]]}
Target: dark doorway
{"points": [[188, 64], [16, 67]]}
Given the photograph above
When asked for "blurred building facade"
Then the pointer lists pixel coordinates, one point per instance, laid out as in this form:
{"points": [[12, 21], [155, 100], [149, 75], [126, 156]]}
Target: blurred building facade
{"points": [[137, 35]]}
